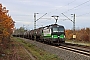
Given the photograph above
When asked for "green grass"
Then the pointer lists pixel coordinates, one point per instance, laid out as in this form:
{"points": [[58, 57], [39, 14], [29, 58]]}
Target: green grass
{"points": [[39, 54]]}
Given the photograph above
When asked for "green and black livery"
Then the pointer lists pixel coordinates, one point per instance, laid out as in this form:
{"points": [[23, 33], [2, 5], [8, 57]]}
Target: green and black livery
{"points": [[54, 34]]}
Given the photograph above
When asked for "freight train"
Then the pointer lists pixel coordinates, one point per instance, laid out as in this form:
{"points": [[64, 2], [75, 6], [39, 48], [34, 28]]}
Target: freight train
{"points": [[52, 34]]}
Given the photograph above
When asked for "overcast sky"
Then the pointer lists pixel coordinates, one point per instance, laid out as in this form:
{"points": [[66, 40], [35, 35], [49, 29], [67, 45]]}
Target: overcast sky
{"points": [[22, 12]]}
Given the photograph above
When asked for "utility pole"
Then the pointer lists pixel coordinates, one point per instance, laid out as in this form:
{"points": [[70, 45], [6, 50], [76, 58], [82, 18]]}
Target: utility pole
{"points": [[35, 20], [35, 25], [73, 21], [56, 18], [74, 34]]}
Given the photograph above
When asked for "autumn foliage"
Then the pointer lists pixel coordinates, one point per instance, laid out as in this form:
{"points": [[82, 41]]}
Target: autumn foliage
{"points": [[6, 25], [81, 34]]}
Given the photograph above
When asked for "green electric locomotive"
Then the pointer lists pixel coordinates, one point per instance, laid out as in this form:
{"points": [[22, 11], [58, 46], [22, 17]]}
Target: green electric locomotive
{"points": [[54, 34]]}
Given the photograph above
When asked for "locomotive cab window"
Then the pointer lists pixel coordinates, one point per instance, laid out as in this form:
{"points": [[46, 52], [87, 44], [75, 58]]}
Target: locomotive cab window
{"points": [[55, 29], [58, 29], [61, 29]]}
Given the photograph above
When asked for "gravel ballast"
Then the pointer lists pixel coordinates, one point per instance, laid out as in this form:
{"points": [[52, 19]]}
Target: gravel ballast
{"points": [[61, 53]]}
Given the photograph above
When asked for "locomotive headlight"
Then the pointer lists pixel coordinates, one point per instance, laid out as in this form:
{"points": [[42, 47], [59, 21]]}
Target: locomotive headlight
{"points": [[52, 36], [58, 36], [64, 36]]}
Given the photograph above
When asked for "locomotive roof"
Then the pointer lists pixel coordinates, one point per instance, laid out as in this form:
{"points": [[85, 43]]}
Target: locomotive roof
{"points": [[53, 25], [49, 26]]}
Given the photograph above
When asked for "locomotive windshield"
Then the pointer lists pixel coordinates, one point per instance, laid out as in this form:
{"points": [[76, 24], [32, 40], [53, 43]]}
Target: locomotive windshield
{"points": [[58, 29], [61, 29], [55, 29]]}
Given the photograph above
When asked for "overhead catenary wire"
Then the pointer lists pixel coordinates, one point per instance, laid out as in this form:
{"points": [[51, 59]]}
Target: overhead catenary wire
{"points": [[83, 14], [61, 7], [77, 6], [72, 8], [71, 2]]}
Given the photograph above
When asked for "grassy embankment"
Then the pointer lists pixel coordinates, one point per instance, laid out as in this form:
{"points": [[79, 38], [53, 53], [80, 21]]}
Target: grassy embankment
{"points": [[38, 53], [16, 52]]}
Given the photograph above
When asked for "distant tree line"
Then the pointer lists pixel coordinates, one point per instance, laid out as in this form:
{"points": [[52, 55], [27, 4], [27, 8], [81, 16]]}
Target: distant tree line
{"points": [[19, 31], [81, 34]]}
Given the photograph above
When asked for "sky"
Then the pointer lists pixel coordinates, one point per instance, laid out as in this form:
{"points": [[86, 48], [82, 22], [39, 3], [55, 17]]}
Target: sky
{"points": [[22, 12]]}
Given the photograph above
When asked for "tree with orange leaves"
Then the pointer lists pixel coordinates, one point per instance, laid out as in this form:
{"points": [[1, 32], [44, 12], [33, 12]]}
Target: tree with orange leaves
{"points": [[6, 25], [82, 34], [69, 34]]}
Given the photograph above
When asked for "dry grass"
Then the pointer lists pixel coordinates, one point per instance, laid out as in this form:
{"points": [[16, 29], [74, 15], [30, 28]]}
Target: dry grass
{"points": [[16, 52]]}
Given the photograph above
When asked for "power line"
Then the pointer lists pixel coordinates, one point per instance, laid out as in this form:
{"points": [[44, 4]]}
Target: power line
{"points": [[77, 6], [83, 14], [72, 8], [62, 6], [71, 2]]}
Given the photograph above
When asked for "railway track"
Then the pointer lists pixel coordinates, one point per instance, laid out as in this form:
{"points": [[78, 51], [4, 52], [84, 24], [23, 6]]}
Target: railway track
{"points": [[65, 51], [76, 49], [80, 49]]}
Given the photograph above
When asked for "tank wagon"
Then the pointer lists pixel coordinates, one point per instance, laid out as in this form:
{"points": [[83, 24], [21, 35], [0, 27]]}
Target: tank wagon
{"points": [[52, 34]]}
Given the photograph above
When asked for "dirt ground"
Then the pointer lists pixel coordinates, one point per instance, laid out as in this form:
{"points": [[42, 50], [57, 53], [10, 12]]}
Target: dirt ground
{"points": [[15, 51]]}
